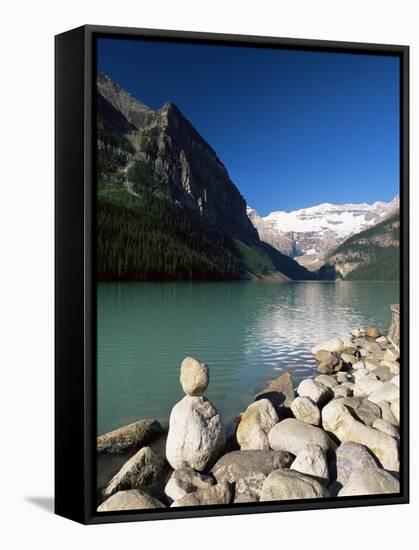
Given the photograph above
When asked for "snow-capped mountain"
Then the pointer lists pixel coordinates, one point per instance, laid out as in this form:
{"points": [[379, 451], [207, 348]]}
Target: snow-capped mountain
{"points": [[309, 234]]}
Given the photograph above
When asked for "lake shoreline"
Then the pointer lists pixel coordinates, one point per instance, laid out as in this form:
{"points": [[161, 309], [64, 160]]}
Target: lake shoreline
{"points": [[334, 434]]}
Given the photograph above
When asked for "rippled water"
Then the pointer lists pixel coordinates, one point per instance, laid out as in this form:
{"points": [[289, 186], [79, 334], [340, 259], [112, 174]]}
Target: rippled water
{"points": [[248, 333]]}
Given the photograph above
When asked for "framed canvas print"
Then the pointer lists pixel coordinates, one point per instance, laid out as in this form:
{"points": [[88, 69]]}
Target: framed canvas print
{"points": [[231, 274]]}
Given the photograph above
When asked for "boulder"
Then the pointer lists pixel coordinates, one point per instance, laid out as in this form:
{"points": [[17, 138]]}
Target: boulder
{"points": [[386, 392], [395, 409], [372, 332], [249, 469], [358, 365], [130, 437], [194, 376], [342, 377], [357, 332], [382, 341], [326, 380], [393, 366], [280, 392], [217, 494], [255, 424], [362, 409], [338, 420], [289, 485], [351, 457], [186, 480], [386, 427], [196, 435], [326, 357], [386, 413], [325, 368], [371, 364], [306, 410], [348, 359], [360, 373], [382, 373], [129, 500], [342, 391], [366, 385], [311, 460], [240, 498], [391, 355], [314, 390], [334, 345], [370, 481], [396, 380], [141, 471], [293, 435]]}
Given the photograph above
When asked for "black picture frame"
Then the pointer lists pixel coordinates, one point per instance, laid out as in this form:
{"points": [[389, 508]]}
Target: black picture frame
{"points": [[75, 297]]}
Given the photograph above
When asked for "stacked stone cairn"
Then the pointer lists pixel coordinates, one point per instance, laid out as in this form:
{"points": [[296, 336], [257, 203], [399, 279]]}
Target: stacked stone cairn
{"points": [[335, 434]]}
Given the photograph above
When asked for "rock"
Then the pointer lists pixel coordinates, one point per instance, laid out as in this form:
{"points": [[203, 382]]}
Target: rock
{"points": [[386, 427], [386, 392], [238, 499], [289, 485], [334, 345], [395, 409], [360, 373], [325, 368], [314, 390], [342, 391], [194, 376], [387, 414], [358, 332], [372, 332], [349, 385], [351, 457], [382, 341], [326, 357], [196, 435], [129, 500], [382, 373], [255, 424], [249, 469], [372, 348], [342, 377], [293, 435], [358, 365], [396, 380], [370, 481], [393, 366], [186, 480], [311, 460], [130, 437], [391, 355], [338, 420], [326, 380], [362, 409], [348, 359], [366, 385], [371, 363], [217, 494], [306, 410], [140, 471], [280, 392]]}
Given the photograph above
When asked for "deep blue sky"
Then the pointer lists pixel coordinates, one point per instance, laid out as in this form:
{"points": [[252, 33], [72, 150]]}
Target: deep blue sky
{"points": [[293, 128]]}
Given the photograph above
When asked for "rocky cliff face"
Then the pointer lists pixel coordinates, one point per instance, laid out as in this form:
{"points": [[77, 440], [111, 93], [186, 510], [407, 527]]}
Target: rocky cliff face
{"points": [[310, 234]]}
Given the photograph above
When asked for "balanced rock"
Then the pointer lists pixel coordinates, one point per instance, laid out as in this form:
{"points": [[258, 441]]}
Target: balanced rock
{"points": [[140, 471], [370, 481], [338, 420], [196, 435], [186, 480], [217, 494], [249, 469], [372, 332], [255, 424], [351, 457], [306, 410], [289, 485], [293, 435], [194, 376], [133, 499], [311, 460], [130, 437], [314, 390]]}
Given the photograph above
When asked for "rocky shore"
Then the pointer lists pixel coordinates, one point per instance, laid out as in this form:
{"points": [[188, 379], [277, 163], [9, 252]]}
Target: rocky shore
{"points": [[335, 434]]}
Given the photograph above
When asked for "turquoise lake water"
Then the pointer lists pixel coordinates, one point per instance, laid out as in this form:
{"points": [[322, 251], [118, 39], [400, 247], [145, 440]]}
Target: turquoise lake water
{"points": [[247, 332]]}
